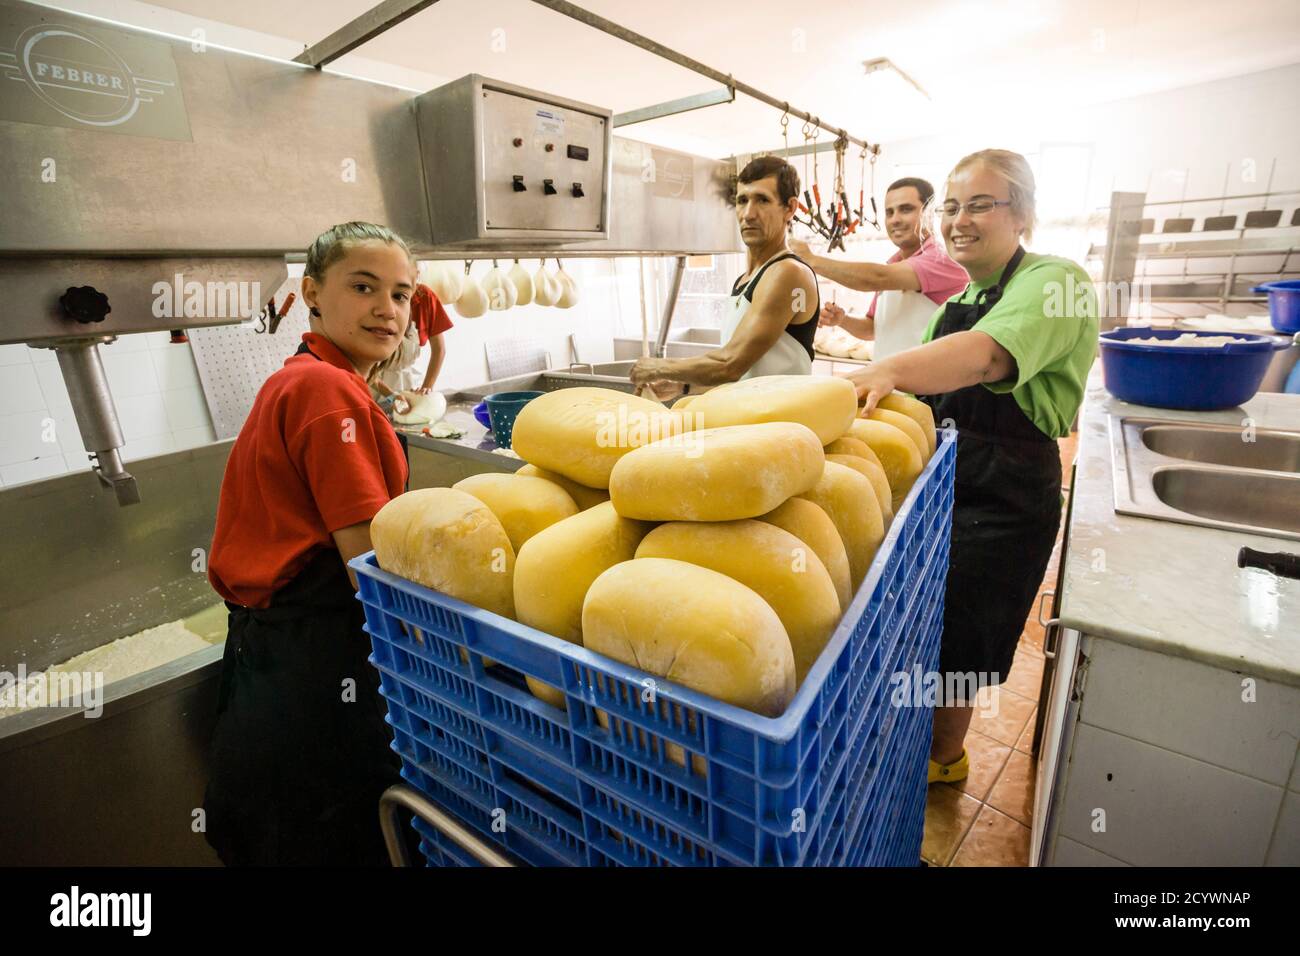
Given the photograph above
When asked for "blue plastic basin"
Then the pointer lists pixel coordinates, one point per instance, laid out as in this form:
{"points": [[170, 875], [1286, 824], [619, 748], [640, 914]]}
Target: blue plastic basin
{"points": [[502, 409], [1283, 304], [1187, 377]]}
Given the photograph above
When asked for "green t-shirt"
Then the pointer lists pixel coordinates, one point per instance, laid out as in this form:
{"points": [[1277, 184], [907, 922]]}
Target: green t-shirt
{"points": [[1047, 320]]}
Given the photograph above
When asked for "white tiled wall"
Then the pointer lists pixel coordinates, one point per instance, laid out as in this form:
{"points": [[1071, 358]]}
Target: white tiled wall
{"points": [[155, 387]]}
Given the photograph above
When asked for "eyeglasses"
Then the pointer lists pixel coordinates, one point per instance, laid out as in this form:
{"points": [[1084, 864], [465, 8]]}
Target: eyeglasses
{"points": [[976, 207]]}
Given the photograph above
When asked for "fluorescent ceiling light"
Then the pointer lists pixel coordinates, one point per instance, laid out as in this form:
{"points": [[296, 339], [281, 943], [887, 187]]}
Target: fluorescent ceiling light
{"points": [[885, 63]]}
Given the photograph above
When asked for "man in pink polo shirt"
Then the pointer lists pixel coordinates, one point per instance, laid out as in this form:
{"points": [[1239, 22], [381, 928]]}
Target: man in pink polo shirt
{"points": [[918, 278]]}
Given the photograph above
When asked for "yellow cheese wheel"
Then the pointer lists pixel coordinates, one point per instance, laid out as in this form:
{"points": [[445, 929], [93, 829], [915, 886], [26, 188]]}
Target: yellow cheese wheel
{"points": [[826, 405], [582, 496], [811, 525], [879, 483], [581, 432], [915, 409], [850, 502], [718, 474], [905, 425], [683, 403], [524, 505], [848, 445], [898, 455], [694, 627], [774, 564], [556, 567], [449, 541]]}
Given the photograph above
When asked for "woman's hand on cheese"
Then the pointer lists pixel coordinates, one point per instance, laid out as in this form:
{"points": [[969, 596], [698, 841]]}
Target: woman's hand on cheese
{"points": [[872, 383]]}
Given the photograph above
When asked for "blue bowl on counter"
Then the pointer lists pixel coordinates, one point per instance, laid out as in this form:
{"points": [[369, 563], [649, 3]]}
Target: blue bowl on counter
{"points": [[1283, 304], [502, 409], [481, 415], [1196, 378]]}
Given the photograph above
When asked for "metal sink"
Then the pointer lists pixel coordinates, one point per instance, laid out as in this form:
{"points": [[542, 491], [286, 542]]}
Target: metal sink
{"points": [[1226, 445], [1250, 499], [1207, 474]]}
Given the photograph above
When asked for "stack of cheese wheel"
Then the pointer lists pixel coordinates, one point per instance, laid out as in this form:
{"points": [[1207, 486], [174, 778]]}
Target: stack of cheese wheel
{"points": [[716, 546]]}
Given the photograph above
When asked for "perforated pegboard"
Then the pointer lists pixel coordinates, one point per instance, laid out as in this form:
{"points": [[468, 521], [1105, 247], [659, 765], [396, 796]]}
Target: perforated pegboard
{"points": [[234, 361]]}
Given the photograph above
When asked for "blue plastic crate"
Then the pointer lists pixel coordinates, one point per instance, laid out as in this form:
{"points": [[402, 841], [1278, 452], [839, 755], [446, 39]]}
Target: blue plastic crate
{"points": [[838, 779]]}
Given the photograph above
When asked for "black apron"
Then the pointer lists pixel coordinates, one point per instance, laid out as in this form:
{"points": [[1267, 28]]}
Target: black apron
{"points": [[297, 768], [1006, 512]]}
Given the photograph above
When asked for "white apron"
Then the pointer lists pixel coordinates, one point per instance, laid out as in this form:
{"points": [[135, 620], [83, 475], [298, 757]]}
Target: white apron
{"points": [[901, 321], [785, 357]]}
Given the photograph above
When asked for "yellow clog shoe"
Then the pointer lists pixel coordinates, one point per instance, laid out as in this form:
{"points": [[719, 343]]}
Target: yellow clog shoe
{"points": [[950, 772]]}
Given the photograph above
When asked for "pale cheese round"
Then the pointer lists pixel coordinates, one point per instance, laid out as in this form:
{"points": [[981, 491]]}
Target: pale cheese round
{"points": [[850, 502], [879, 483], [773, 563], [582, 496], [555, 569], [906, 425], [915, 409], [694, 627], [524, 505], [717, 474], [581, 433], [898, 455], [824, 404], [811, 525], [449, 541]]}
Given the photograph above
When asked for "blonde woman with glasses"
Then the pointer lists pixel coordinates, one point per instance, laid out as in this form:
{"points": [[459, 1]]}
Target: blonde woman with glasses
{"points": [[1007, 370]]}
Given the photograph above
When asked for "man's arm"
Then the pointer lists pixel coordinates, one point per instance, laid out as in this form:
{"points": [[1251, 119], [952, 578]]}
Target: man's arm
{"points": [[862, 276], [786, 292], [352, 541], [437, 353]]}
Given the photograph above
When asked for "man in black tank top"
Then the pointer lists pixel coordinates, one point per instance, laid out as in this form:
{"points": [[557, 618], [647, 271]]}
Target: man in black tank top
{"points": [[775, 303]]}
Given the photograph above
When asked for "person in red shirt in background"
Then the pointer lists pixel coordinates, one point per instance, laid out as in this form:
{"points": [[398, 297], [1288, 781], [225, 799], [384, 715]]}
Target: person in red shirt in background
{"points": [[390, 379], [300, 750], [431, 320], [428, 321]]}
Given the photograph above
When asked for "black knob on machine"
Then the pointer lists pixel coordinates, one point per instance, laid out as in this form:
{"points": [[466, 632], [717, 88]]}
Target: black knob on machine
{"points": [[548, 187], [85, 304], [518, 184], [577, 191]]}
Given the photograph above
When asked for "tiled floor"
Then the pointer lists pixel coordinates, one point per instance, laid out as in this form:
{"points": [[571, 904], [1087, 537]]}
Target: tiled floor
{"points": [[984, 820]]}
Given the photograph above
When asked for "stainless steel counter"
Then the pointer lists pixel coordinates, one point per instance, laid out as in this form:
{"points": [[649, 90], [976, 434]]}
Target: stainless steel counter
{"points": [[78, 571]]}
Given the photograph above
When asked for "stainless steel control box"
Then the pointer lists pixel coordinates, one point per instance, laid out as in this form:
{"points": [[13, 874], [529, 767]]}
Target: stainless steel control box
{"points": [[505, 164]]}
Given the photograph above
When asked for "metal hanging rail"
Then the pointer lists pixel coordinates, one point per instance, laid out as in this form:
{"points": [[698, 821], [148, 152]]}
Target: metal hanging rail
{"points": [[658, 49], [363, 29], [392, 12]]}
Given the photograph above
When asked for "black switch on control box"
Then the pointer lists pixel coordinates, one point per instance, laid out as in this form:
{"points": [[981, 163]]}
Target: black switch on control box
{"points": [[548, 187], [577, 191], [519, 184]]}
